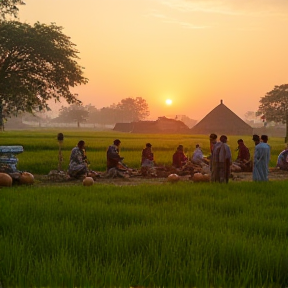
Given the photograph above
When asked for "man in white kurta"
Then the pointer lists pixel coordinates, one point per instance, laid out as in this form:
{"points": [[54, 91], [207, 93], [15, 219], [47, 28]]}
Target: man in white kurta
{"points": [[261, 160]]}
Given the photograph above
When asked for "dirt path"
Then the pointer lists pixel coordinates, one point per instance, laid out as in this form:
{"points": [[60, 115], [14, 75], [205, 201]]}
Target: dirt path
{"points": [[42, 180]]}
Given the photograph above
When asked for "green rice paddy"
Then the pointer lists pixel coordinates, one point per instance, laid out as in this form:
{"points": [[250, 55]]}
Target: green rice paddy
{"points": [[162, 235]]}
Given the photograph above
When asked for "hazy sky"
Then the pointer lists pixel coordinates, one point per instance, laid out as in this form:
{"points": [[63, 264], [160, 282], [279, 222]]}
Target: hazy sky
{"points": [[194, 52]]}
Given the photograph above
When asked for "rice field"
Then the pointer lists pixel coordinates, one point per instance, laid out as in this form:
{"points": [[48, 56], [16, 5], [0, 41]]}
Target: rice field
{"points": [[41, 148], [162, 235], [167, 235]]}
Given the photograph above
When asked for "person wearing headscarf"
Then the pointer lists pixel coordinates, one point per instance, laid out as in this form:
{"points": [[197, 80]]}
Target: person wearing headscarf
{"points": [[221, 161], [78, 165], [197, 157], [179, 158]]}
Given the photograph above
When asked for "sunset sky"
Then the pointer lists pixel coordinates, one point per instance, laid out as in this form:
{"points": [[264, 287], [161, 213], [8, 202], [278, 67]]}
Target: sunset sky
{"points": [[193, 52]]}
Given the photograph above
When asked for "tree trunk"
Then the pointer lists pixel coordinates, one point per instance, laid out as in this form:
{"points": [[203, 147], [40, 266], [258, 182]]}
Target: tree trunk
{"points": [[1, 118], [286, 138]]}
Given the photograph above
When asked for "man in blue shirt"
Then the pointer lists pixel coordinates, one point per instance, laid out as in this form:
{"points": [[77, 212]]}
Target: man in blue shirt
{"points": [[261, 160]]}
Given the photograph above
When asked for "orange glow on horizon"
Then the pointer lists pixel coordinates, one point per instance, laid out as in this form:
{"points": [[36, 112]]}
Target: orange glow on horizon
{"points": [[160, 50]]}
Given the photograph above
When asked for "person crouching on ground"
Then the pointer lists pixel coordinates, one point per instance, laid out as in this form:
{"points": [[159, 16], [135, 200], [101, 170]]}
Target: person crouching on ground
{"points": [[179, 158], [147, 156], [78, 166]]}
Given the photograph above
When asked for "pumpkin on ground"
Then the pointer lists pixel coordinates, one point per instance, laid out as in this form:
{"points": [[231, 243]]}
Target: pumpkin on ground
{"points": [[5, 180], [88, 181], [26, 178], [173, 178], [206, 178], [197, 177]]}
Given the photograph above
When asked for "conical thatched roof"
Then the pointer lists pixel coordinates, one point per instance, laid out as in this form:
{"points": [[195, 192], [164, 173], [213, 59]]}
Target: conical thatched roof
{"points": [[221, 120]]}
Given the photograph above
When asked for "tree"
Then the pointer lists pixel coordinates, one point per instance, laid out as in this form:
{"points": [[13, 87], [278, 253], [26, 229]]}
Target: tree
{"points": [[250, 115], [274, 105], [133, 109], [37, 63], [9, 7], [76, 113]]}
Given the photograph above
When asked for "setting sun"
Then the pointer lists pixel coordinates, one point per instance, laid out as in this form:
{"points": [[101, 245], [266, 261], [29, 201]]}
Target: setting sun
{"points": [[168, 102], [161, 51]]}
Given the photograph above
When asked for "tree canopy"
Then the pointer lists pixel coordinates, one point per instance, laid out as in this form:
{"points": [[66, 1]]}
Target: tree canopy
{"points": [[133, 109], [9, 7], [127, 110], [274, 105], [37, 63], [72, 113]]}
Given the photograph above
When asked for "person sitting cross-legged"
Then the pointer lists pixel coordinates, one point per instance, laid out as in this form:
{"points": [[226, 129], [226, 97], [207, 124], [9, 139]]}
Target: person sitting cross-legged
{"points": [[198, 157], [147, 159], [179, 158], [243, 161], [115, 166], [78, 166]]}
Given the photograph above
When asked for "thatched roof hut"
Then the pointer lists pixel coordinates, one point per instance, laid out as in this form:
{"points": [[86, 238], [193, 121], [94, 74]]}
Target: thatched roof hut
{"points": [[221, 120], [161, 125], [123, 127]]}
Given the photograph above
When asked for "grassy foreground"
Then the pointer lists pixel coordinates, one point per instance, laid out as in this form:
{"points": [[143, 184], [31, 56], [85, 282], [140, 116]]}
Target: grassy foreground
{"points": [[169, 235]]}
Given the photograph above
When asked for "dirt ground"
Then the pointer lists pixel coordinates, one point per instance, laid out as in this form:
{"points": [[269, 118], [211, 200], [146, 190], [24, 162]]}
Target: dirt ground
{"points": [[40, 180]]}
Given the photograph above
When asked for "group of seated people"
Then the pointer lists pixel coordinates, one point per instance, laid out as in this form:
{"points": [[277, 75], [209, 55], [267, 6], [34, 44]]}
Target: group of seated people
{"points": [[78, 165]]}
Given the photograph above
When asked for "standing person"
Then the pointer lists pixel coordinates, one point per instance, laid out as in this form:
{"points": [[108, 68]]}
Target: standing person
{"points": [[179, 158], [113, 157], [256, 139], [78, 165], [221, 161], [213, 141], [147, 156], [261, 160]]}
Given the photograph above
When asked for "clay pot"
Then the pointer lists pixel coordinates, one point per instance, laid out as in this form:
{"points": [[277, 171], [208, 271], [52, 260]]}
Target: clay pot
{"points": [[88, 181], [173, 178], [5, 180], [26, 178]]}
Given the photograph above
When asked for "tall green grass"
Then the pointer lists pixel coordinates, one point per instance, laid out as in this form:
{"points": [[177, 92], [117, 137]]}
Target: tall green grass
{"points": [[41, 147], [169, 235]]}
